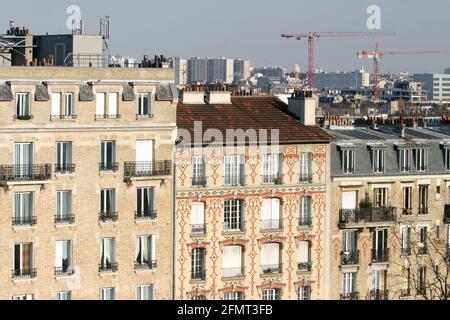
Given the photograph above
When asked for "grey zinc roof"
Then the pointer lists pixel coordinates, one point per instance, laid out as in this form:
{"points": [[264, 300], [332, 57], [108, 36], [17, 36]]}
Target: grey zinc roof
{"points": [[166, 92], [5, 92], [128, 92], [86, 93], [42, 93]]}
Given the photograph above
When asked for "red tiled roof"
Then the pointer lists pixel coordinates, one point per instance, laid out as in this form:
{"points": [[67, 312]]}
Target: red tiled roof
{"points": [[250, 113]]}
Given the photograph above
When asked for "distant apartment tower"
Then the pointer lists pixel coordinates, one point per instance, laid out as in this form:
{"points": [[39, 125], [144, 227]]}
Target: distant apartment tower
{"points": [[181, 71], [447, 71], [242, 69], [437, 86], [197, 70], [342, 80], [273, 73], [220, 70]]}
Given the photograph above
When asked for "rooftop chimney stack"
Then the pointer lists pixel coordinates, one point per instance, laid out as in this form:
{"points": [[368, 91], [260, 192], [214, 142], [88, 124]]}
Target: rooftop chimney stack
{"points": [[303, 105]]}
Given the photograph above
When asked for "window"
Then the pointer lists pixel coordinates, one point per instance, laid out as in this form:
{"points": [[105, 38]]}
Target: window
{"points": [[68, 110], [306, 173], [108, 156], [270, 258], [145, 252], [64, 157], [348, 287], [405, 160], [108, 205], [232, 262], [348, 161], [421, 280], [145, 165], [304, 256], [64, 295], [198, 218], [24, 261], [198, 171], [378, 160], [69, 106], [380, 252], [23, 109], [23, 161], [107, 294], [447, 158], [235, 296], [270, 215], [305, 212], [271, 294], [421, 159], [63, 258], [144, 293], [198, 264], [109, 111], [234, 170], [64, 207], [423, 240], [381, 197], [406, 241], [350, 255], [24, 209], [108, 255], [145, 203], [144, 105], [304, 293], [272, 168], [234, 215], [407, 200], [23, 297], [423, 199]]}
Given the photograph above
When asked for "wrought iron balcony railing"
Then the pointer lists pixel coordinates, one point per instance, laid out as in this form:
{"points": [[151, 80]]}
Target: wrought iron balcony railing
{"points": [[65, 219], [199, 182], [350, 296], [64, 271], [108, 166], [23, 117], [350, 258], [147, 169], [145, 265], [107, 116], [379, 294], [24, 273], [108, 217], [63, 117], [144, 116], [65, 168], [407, 211], [274, 224], [145, 215], [422, 249], [198, 229], [108, 267], [367, 215], [30, 172], [380, 255], [276, 179], [271, 269], [24, 221], [304, 266]]}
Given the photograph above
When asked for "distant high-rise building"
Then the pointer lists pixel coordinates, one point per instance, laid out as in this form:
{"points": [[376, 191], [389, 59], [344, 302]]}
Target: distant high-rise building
{"points": [[437, 85], [297, 68], [447, 71], [220, 70], [273, 73], [181, 70], [197, 70], [242, 69], [342, 80]]}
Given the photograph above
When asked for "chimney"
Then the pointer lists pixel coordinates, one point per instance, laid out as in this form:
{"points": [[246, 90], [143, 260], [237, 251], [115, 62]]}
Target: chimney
{"points": [[191, 96], [218, 97], [303, 105], [402, 128]]}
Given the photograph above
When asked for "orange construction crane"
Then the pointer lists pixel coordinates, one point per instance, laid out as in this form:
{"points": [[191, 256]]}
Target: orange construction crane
{"points": [[377, 55], [311, 36]]}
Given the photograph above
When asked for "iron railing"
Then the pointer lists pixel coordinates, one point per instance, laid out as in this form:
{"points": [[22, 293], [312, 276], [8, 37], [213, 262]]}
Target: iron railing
{"points": [[64, 271], [198, 229], [233, 180], [350, 296], [145, 265], [108, 267], [30, 172], [380, 255], [306, 177], [276, 179], [367, 215], [232, 272], [274, 224], [144, 116], [304, 266], [108, 216], [65, 168], [145, 215], [199, 182], [423, 210], [350, 258], [107, 116], [108, 166], [271, 269], [24, 221], [24, 273], [407, 211], [23, 117], [147, 169], [378, 294], [63, 117], [65, 219]]}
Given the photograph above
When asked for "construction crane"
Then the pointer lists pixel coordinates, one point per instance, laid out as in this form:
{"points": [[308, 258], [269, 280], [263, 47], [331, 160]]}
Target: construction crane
{"points": [[312, 36], [377, 55]]}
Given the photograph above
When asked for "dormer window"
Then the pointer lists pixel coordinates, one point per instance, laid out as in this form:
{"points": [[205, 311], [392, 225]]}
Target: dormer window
{"points": [[378, 160], [446, 149], [348, 161], [405, 160], [421, 157]]}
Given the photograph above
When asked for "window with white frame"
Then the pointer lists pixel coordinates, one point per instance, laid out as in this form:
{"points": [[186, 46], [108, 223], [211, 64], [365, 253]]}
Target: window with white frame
{"points": [[270, 214], [107, 202], [306, 173], [23, 260], [305, 219], [421, 280], [304, 256], [64, 157], [64, 295], [423, 239], [270, 258], [421, 159], [378, 160], [67, 111], [144, 293], [23, 160], [110, 110], [233, 296], [234, 215], [232, 262], [381, 197], [69, 104], [407, 200], [144, 105], [406, 241], [271, 294], [447, 157], [405, 160], [272, 166], [145, 252], [304, 293], [198, 171], [107, 294], [234, 170], [23, 109], [24, 208], [145, 199], [107, 155], [198, 218], [198, 264], [63, 257], [23, 297], [348, 286], [348, 161], [423, 199], [64, 206], [108, 254]]}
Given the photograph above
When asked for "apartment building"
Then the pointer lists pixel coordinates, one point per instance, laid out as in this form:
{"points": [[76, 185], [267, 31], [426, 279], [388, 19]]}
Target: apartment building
{"points": [[389, 222], [250, 217], [437, 86], [87, 190]]}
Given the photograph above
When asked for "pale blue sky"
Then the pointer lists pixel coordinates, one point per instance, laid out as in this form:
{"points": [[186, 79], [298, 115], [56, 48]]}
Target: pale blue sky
{"points": [[251, 29]]}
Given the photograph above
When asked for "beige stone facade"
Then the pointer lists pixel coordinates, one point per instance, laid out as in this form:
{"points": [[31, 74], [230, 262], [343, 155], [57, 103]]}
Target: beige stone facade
{"points": [[84, 279]]}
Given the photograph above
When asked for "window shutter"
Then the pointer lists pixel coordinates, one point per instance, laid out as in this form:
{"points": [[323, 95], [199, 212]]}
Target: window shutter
{"points": [[56, 104], [276, 205], [112, 104], [303, 252], [266, 214], [59, 254], [198, 213], [100, 104]]}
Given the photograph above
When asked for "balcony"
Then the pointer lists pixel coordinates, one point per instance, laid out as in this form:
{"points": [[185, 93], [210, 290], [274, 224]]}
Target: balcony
{"points": [[109, 267], [65, 219], [65, 168], [23, 117], [447, 214], [366, 215], [304, 266], [198, 229], [145, 215], [108, 166], [108, 217], [145, 265], [199, 182], [147, 169], [230, 226], [107, 116], [271, 225], [24, 274], [198, 275], [24, 221], [276, 179], [380, 255], [271, 269], [350, 258], [350, 296], [423, 210], [63, 117], [233, 272], [378, 294], [235, 180], [25, 173], [144, 116], [64, 271], [407, 211]]}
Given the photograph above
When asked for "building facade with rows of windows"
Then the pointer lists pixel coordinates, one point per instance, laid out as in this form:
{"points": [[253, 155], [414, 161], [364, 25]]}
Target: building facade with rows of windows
{"points": [[250, 219], [86, 183], [389, 220]]}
